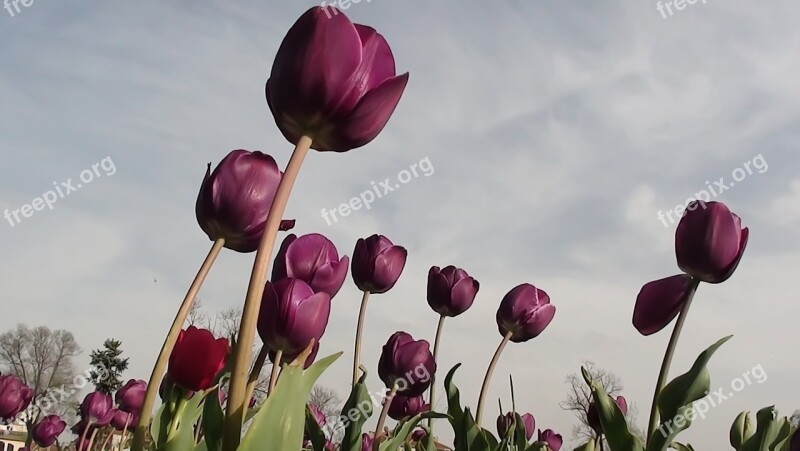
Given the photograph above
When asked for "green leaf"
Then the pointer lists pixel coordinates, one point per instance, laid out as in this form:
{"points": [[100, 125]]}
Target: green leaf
{"points": [[615, 427], [588, 446], [281, 420], [770, 432], [408, 427], [314, 432], [182, 437], [518, 434], [741, 430], [355, 413], [213, 418], [680, 447]]}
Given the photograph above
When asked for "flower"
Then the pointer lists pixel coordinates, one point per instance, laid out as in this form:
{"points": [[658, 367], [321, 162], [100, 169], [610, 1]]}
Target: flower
{"points": [[377, 264], [122, 420], [314, 260], [366, 442], [47, 430], [504, 423], [319, 415], [15, 396], [97, 408], [709, 242], [234, 200], [404, 407], [659, 302], [131, 396], [525, 312], [552, 439], [292, 315], [795, 444], [197, 358], [593, 415], [406, 363], [451, 290], [334, 81]]}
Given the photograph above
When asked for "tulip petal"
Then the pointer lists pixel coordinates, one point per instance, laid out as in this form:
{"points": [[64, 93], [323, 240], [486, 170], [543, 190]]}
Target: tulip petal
{"points": [[707, 241], [377, 61], [388, 267], [659, 302]]}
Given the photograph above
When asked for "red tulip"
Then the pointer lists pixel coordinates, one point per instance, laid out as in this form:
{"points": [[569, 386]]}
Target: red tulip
{"points": [[659, 302], [333, 81], [525, 312], [197, 359], [292, 315], [314, 260]]}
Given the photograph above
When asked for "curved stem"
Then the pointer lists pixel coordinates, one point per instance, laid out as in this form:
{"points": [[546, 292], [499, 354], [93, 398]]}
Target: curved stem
{"points": [[670, 352], [387, 401], [276, 366], [83, 436], [432, 398], [169, 343], [91, 439], [108, 440], [234, 415], [362, 313], [488, 378], [124, 432], [255, 373]]}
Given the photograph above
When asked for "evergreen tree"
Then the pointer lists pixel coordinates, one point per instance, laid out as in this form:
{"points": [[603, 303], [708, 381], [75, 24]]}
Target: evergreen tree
{"points": [[106, 374]]}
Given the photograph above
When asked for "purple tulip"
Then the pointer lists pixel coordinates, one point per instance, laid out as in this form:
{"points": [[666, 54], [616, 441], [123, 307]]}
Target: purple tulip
{"points": [[504, 423], [709, 242], [292, 315], [377, 264], [418, 435], [407, 363], [15, 396], [314, 260], [97, 407], [795, 444], [131, 396], [451, 290], [552, 439], [319, 415], [404, 407], [235, 199], [593, 415], [525, 312], [47, 430], [659, 302], [366, 442], [288, 358], [333, 81], [122, 420]]}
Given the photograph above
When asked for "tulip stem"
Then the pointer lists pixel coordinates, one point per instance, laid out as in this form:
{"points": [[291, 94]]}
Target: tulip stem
{"points": [[234, 413], [488, 377], [387, 402], [169, 344], [670, 352], [85, 430], [124, 432], [111, 433], [362, 314], [276, 366], [258, 365], [432, 398], [91, 439]]}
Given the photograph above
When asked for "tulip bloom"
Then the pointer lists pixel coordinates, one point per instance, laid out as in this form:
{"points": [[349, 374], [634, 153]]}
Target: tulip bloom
{"points": [[404, 407], [377, 264], [47, 430], [366, 442], [593, 416], [15, 396], [709, 242], [97, 408], [795, 444], [504, 423], [524, 312], [660, 301], [319, 416], [451, 290], [234, 200], [292, 315], [553, 440], [314, 260], [122, 420], [334, 81], [407, 364], [197, 359], [131, 396]]}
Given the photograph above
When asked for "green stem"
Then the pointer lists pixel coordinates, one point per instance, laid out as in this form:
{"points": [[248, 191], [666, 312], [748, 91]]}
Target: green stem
{"points": [[488, 377], [235, 410], [176, 420], [362, 314], [169, 343], [273, 375], [387, 401], [670, 352], [432, 398]]}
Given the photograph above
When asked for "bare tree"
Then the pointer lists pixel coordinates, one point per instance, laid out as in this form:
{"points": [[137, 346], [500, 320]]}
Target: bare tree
{"points": [[326, 400], [42, 358]]}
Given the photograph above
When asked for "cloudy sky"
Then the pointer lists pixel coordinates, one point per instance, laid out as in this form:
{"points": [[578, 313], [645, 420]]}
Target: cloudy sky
{"points": [[557, 131]]}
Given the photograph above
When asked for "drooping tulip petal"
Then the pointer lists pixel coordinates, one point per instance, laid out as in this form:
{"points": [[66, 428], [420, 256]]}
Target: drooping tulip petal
{"points": [[197, 358], [377, 264], [525, 312], [292, 315], [451, 291], [659, 302], [553, 440], [406, 363]]}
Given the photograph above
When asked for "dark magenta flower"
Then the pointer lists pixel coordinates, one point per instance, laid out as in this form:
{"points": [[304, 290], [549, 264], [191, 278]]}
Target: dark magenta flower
{"points": [[525, 312], [15, 396], [235, 199], [709, 242], [366, 442], [418, 435], [197, 358], [292, 315], [291, 357], [98, 408], [377, 264], [319, 416], [130, 396], [47, 430], [553, 440], [659, 302], [334, 81], [795, 444], [451, 290], [404, 407], [407, 363], [504, 423], [314, 260], [593, 416], [122, 420]]}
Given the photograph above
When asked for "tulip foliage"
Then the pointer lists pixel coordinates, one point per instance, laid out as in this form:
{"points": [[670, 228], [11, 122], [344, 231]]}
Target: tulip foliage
{"points": [[333, 87]]}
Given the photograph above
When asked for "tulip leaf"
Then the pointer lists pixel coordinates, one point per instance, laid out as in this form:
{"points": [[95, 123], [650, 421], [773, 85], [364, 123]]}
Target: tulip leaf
{"points": [[615, 426], [280, 421], [519, 434], [355, 413], [588, 446], [158, 426], [406, 429], [538, 446], [181, 435], [213, 418], [313, 431], [771, 433], [468, 436], [681, 447], [741, 430]]}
